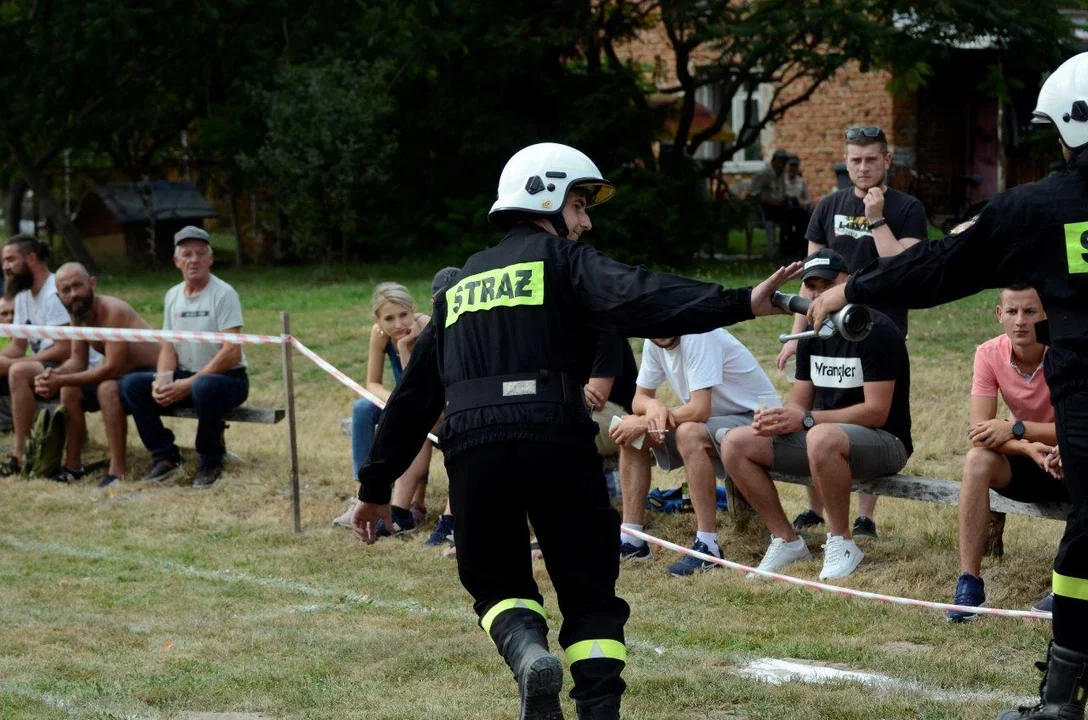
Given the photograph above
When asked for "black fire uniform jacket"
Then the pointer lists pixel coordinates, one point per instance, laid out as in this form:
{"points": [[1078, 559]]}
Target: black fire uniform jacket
{"points": [[511, 344], [1036, 234]]}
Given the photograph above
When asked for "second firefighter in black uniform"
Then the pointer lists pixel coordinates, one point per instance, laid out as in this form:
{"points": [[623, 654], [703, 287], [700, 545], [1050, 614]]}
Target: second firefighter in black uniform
{"points": [[1035, 234], [505, 356]]}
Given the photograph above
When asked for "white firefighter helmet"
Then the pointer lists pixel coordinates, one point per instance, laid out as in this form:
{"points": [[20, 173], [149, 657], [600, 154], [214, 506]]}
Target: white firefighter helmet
{"points": [[1063, 100], [537, 178]]}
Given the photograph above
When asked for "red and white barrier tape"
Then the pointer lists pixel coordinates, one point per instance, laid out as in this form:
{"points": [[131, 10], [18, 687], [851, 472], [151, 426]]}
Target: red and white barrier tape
{"points": [[850, 592], [344, 379], [69, 332]]}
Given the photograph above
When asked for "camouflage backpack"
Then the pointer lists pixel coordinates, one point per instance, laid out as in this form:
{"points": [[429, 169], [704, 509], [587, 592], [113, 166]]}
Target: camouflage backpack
{"points": [[45, 444]]}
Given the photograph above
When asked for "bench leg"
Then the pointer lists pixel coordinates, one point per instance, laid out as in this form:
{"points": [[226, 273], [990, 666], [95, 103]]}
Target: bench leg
{"points": [[995, 544]]}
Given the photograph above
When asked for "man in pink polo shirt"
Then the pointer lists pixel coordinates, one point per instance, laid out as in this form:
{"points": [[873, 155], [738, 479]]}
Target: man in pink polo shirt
{"points": [[1008, 455]]}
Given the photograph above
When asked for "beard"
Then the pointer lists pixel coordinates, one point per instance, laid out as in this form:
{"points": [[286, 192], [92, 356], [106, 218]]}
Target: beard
{"points": [[80, 308], [15, 284]]}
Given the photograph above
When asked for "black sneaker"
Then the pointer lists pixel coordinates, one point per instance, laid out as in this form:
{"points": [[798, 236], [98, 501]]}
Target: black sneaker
{"points": [[64, 475], [442, 533], [402, 523], [10, 467], [108, 481], [161, 471], [807, 519], [635, 553], [207, 476], [864, 527]]}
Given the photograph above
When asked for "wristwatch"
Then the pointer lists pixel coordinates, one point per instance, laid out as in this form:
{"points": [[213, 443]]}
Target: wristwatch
{"points": [[1018, 430], [877, 223], [808, 422]]}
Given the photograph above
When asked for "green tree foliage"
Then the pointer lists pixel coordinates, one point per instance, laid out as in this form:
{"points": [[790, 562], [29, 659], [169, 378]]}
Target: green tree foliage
{"points": [[327, 154], [380, 127], [122, 79]]}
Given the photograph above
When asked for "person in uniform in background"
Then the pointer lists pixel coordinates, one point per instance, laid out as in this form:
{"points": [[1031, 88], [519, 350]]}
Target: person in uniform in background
{"points": [[507, 357], [1035, 234]]}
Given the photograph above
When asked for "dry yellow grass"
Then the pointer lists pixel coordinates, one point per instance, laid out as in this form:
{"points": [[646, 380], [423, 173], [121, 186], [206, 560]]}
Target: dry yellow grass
{"points": [[154, 602]]}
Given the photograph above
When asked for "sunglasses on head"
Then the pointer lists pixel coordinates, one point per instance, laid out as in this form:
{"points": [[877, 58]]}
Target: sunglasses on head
{"points": [[869, 131]]}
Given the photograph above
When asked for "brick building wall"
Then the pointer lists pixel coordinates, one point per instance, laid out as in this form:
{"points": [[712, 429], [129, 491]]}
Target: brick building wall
{"points": [[812, 130]]}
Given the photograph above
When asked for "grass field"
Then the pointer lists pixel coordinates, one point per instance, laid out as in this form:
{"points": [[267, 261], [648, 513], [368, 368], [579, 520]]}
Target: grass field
{"points": [[164, 602]]}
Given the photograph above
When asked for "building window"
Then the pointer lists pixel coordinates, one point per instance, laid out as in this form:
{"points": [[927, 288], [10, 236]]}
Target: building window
{"points": [[742, 104]]}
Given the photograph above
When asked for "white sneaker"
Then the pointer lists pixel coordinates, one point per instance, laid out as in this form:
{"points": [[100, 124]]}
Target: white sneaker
{"points": [[344, 520], [841, 557], [782, 553]]}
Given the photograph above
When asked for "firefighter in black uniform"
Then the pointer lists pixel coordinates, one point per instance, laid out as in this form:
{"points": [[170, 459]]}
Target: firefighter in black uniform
{"points": [[505, 356], [1037, 234]]}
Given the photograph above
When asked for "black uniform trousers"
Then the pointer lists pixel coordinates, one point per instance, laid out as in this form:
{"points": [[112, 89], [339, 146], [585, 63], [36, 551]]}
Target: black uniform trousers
{"points": [[562, 490], [1071, 565]]}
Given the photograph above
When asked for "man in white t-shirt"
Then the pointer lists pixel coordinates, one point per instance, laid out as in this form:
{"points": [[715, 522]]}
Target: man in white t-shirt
{"points": [[719, 382], [208, 377], [27, 277]]}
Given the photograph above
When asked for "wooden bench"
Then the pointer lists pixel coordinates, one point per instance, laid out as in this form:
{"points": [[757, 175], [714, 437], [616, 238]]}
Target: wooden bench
{"points": [[242, 414], [943, 492]]}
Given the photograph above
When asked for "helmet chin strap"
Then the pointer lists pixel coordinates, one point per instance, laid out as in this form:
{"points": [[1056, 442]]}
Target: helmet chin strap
{"points": [[560, 225]]}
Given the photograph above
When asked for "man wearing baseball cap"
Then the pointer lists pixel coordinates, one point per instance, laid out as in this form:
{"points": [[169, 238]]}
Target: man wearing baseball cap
{"points": [[848, 417], [209, 377]]}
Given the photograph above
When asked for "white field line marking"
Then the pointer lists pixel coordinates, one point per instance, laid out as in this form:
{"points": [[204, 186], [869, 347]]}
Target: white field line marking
{"points": [[777, 672], [652, 650], [71, 708], [231, 576]]}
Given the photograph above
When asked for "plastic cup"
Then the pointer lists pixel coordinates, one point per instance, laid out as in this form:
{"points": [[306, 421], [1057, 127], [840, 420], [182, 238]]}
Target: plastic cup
{"points": [[769, 400], [162, 379]]}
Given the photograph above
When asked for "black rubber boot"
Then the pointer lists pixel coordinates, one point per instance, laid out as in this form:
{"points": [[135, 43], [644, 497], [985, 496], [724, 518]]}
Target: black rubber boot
{"points": [[1063, 691], [607, 708], [539, 673]]}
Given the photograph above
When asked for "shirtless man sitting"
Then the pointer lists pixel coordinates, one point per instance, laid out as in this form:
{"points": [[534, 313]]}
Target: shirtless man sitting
{"points": [[87, 380]]}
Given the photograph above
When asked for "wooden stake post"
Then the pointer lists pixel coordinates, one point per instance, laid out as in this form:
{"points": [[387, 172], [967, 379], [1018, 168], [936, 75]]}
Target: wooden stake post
{"points": [[292, 437]]}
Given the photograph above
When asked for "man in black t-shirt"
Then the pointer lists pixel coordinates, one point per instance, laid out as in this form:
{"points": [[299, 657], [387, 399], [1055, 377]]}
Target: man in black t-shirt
{"points": [[611, 387], [869, 220], [848, 417], [865, 221]]}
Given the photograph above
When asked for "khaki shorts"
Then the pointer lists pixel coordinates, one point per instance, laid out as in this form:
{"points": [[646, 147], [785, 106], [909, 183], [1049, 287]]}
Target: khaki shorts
{"points": [[668, 457], [606, 446], [873, 453]]}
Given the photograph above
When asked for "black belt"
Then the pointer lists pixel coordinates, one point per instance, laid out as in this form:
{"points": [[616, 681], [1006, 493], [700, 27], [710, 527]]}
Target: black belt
{"points": [[539, 387]]}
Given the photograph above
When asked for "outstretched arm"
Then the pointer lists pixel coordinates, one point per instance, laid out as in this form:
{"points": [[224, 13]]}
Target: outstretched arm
{"points": [[638, 303], [981, 256], [412, 410]]}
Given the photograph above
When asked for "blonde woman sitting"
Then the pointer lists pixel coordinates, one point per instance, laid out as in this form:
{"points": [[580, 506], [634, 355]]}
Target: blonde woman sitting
{"points": [[396, 327]]}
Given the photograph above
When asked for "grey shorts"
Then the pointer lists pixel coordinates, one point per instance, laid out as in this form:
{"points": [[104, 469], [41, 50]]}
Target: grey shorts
{"points": [[668, 457], [873, 453]]}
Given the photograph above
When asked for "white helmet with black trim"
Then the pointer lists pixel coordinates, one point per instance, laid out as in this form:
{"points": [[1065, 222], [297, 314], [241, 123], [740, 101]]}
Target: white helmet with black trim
{"points": [[537, 179], [1063, 100]]}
